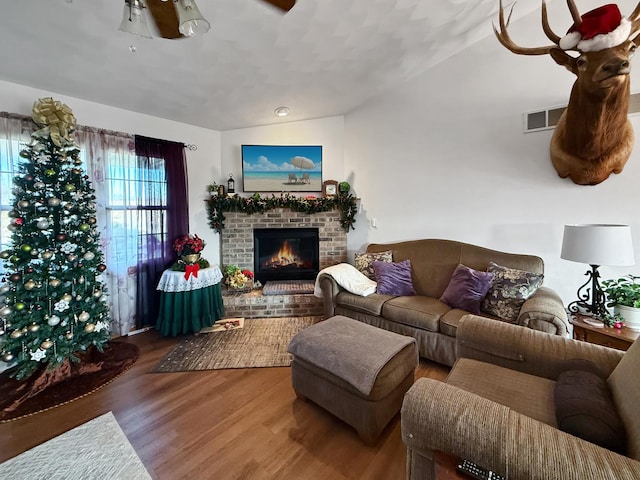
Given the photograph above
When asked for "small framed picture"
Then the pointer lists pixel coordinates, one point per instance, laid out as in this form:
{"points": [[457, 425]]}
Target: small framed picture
{"points": [[329, 188]]}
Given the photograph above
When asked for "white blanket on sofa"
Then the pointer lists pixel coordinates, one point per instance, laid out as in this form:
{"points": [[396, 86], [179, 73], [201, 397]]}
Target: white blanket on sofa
{"points": [[349, 278]]}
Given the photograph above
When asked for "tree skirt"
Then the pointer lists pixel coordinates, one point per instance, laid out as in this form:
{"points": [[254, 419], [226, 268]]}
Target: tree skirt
{"points": [[72, 380], [262, 342]]}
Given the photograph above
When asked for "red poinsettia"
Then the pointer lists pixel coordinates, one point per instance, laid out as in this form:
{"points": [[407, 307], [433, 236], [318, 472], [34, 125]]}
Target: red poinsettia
{"points": [[188, 244], [248, 274]]}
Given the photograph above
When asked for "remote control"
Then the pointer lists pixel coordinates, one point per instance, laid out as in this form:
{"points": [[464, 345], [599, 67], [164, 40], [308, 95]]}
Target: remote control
{"points": [[476, 471]]}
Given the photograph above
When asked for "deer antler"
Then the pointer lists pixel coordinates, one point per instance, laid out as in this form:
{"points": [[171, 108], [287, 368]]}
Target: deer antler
{"points": [[504, 38], [635, 22]]}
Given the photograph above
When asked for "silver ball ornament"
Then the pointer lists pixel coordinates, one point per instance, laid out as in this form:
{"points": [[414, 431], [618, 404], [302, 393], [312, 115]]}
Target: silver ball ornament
{"points": [[53, 320]]}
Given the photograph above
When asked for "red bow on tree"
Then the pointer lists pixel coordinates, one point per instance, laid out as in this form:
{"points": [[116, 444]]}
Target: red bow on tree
{"points": [[191, 269]]}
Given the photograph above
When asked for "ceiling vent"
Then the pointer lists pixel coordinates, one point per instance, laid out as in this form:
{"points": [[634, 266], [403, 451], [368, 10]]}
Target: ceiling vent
{"points": [[547, 119]]}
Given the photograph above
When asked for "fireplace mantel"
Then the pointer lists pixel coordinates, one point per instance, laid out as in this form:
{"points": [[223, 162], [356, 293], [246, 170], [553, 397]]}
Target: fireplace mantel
{"points": [[344, 203]]}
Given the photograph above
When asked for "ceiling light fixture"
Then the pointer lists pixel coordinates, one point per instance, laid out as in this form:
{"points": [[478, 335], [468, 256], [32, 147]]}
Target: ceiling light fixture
{"points": [[134, 20], [190, 20], [282, 111]]}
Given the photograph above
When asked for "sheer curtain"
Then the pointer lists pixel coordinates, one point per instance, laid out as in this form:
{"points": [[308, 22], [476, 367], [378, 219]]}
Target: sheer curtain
{"points": [[163, 216], [15, 131], [108, 157]]}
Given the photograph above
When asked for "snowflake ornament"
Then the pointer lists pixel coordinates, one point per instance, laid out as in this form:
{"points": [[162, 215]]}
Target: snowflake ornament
{"points": [[101, 326], [68, 247], [38, 355], [61, 306]]}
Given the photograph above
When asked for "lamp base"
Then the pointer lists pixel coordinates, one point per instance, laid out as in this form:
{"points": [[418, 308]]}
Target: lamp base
{"points": [[594, 322]]}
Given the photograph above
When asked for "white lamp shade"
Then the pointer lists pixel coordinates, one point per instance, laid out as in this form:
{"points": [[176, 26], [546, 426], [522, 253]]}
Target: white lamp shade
{"points": [[598, 244], [190, 20], [134, 19]]}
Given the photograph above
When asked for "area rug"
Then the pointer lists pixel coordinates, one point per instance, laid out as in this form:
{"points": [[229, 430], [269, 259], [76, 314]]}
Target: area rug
{"points": [[262, 342], [288, 287], [45, 389], [94, 450]]}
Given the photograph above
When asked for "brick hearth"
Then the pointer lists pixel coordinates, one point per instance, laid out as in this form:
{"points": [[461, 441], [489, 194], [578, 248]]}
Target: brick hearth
{"points": [[236, 245]]}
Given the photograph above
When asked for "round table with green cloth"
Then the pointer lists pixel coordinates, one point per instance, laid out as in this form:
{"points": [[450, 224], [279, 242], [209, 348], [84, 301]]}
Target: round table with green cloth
{"points": [[189, 304]]}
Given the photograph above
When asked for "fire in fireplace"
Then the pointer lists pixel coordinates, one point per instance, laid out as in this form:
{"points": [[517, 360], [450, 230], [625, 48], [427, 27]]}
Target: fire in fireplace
{"points": [[285, 253]]}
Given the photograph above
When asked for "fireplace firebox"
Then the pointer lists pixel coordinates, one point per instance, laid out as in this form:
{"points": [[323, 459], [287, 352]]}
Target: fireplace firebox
{"points": [[285, 253]]}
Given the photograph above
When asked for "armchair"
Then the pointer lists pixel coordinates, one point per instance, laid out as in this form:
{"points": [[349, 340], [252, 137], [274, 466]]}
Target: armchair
{"points": [[497, 407]]}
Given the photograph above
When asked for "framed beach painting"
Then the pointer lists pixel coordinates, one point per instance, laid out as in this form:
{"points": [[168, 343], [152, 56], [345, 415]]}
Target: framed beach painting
{"points": [[282, 168]]}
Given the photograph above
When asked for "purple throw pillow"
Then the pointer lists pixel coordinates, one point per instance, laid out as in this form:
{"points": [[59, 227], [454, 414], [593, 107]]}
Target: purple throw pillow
{"points": [[394, 278], [467, 288]]}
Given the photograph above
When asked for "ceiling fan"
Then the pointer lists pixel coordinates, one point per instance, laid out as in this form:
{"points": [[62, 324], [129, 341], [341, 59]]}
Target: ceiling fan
{"points": [[174, 18]]}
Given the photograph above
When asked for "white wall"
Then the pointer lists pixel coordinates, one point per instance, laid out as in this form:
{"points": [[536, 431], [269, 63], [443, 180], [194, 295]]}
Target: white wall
{"points": [[444, 156], [203, 165], [327, 132]]}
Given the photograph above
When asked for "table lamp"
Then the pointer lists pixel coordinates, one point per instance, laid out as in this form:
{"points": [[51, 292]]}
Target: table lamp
{"points": [[596, 244]]}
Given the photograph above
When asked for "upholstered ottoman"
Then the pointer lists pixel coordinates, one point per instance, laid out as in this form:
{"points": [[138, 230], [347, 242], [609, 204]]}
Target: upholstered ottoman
{"points": [[357, 372]]}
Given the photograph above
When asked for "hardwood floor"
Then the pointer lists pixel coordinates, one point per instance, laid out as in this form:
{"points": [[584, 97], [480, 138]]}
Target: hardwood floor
{"points": [[221, 424]]}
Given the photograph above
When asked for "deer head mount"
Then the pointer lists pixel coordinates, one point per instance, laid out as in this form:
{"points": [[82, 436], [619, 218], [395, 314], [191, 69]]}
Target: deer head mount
{"points": [[593, 137]]}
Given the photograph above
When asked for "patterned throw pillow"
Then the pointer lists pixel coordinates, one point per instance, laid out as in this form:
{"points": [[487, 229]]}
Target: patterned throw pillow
{"points": [[364, 262], [467, 288], [509, 289]]}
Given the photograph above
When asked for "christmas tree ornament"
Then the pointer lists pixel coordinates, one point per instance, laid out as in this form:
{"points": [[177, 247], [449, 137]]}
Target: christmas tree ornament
{"points": [[54, 282], [53, 320], [28, 178], [102, 267], [16, 334], [89, 327], [6, 310], [72, 257], [13, 213], [37, 355], [97, 294], [39, 185], [5, 254], [14, 259], [34, 327], [70, 187], [7, 357], [89, 256], [68, 336], [5, 288], [25, 247], [15, 277], [12, 228], [35, 252], [61, 237], [42, 224], [92, 220], [19, 306], [84, 316], [47, 254], [46, 344], [67, 298], [50, 172], [84, 227], [53, 202], [18, 221], [23, 204]]}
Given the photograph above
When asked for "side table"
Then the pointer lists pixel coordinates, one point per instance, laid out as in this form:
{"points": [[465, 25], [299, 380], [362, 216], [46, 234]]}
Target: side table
{"points": [[189, 304], [620, 338]]}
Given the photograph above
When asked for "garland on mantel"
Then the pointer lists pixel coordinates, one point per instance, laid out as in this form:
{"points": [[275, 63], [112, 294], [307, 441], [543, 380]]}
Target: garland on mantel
{"points": [[217, 205]]}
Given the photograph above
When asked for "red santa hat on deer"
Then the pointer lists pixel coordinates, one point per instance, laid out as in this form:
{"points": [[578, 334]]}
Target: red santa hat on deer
{"points": [[602, 28]]}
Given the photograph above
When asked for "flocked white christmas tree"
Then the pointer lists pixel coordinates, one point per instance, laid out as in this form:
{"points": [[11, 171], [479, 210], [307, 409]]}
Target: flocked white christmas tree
{"points": [[53, 299]]}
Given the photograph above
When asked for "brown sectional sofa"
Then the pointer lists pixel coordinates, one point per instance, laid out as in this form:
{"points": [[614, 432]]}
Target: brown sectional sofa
{"points": [[432, 323]]}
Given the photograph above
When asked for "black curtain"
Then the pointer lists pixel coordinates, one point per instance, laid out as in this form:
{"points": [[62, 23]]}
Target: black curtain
{"points": [[155, 256]]}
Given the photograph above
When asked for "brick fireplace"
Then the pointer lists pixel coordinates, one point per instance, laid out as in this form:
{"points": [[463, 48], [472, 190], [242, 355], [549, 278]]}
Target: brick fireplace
{"points": [[237, 248]]}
